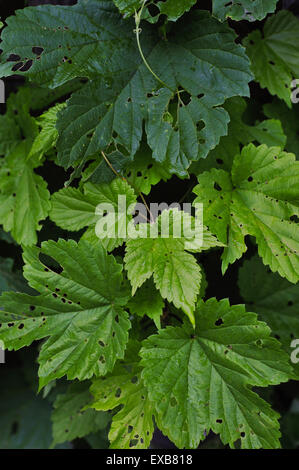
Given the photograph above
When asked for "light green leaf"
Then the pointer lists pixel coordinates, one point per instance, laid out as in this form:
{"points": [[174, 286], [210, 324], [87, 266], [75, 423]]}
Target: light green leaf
{"points": [[250, 10], [47, 137], [201, 380], [274, 56], [70, 421], [162, 255], [144, 172], [24, 197], [173, 9], [73, 210], [80, 310], [132, 426], [259, 198]]}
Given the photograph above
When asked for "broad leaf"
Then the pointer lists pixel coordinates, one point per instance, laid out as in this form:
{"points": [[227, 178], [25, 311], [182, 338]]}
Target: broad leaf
{"points": [[69, 419], [258, 197], [201, 380], [274, 56], [173, 9], [80, 310], [113, 111]]}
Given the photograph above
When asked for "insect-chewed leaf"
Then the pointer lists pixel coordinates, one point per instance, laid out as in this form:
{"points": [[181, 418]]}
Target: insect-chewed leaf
{"points": [[250, 10], [80, 309], [70, 420], [162, 255], [274, 299], [132, 426], [274, 57], [201, 379], [260, 198], [113, 111], [73, 209]]}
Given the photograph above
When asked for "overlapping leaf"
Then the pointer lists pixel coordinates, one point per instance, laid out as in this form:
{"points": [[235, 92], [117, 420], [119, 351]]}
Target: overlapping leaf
{"points": [[112, 111], [289, 120], [250, 10], [173, 9], [274, 56], [201, 380], [47, 137], [80, 310], [260, 198], [73, 209], [268, 132], [147, 301], [132, 426], [24, 197], [274, 299], [158, 250], [69, 419]]}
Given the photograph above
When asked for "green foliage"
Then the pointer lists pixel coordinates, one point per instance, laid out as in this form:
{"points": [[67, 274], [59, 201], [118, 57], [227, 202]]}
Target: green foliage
{"points": [[273, 298], [132, 426], [228, 352], [258, 197], [249, 10], [176, 273], [70, 420], [80, 310], [274, 58], [127, 102]]}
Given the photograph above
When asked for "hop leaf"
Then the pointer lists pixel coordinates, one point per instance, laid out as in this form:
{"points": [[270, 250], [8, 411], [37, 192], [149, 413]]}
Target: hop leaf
{"points": [[176, 272], [250, 10], [80, 310], [24, 197], [69, 419], [268, 132], [260, 198], [132, 426], [112, 111], [274, 57], [274, 299], [74, 210], [147, 301], [201, 380]]}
